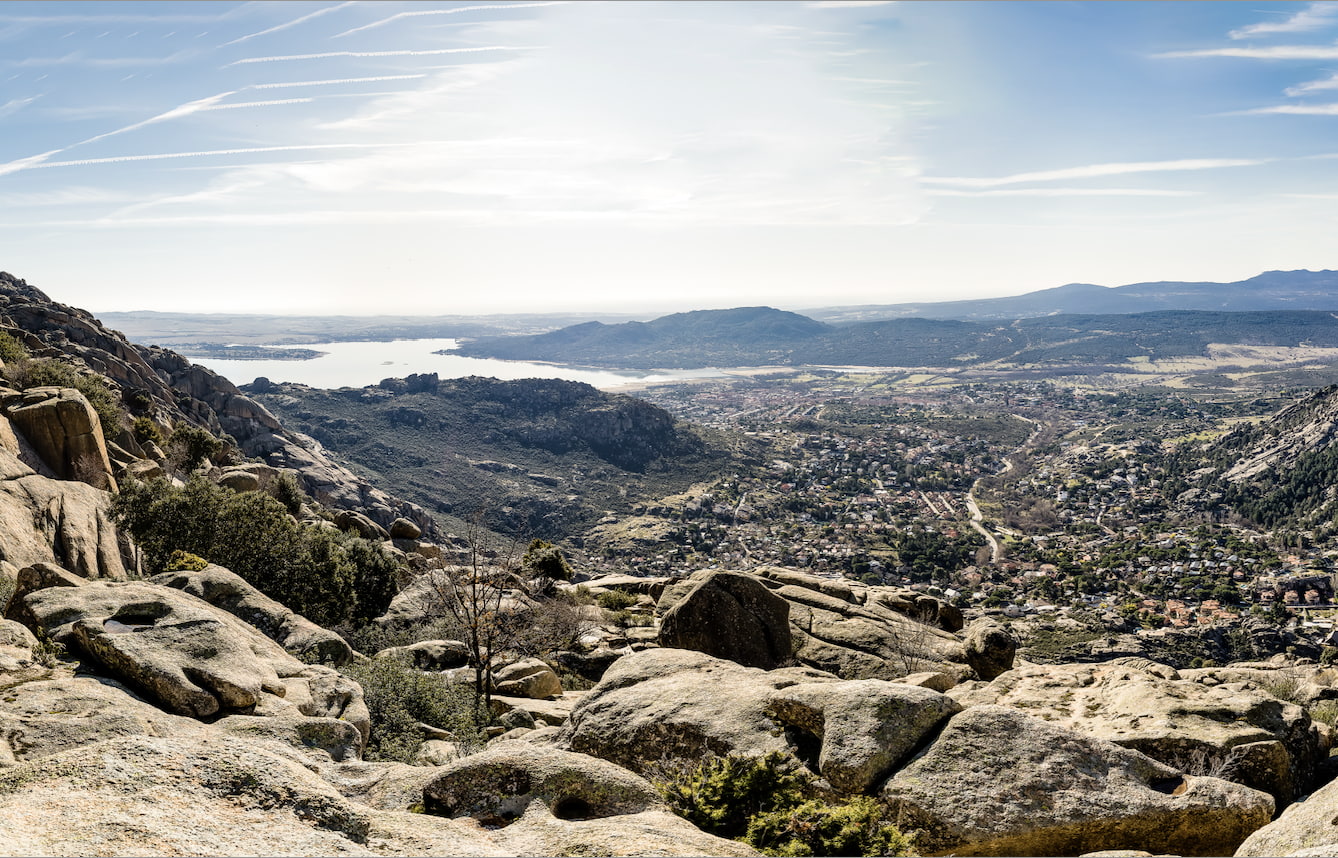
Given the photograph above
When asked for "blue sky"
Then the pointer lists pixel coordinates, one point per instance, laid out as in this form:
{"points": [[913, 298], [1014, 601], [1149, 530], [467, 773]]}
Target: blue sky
{"points": [[337, 157]]}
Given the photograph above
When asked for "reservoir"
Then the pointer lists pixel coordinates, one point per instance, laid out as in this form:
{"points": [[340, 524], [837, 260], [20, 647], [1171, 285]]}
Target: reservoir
{"points": [[358, 364]]}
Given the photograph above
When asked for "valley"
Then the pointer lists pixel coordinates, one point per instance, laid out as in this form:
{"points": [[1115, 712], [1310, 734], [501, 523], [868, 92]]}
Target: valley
{"points": [[418, 599]]}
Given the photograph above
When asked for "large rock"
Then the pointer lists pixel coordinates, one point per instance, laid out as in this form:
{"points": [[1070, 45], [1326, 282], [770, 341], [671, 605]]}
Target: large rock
{"points": [[212, 795], [869, 641], [187, 656], [530, 677], [62, 522], [686, 705], [64, 430], [45, 717], [733, 616], [225, 589], [999, 782], [989, 649], [432, 655], [865, 726], [606, 806], [1306, 825], [1224, 730]]}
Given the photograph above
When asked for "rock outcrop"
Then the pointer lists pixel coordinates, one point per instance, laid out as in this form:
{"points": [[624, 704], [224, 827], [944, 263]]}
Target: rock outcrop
{"points": [[64, 431], [732, 616], [187, 656], [171, 390], [225, 589], [686, 705], [1308, 827], [1225, 730], [999, 782]]}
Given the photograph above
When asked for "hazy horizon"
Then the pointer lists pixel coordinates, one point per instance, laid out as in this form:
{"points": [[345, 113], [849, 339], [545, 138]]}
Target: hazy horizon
{"points": [[349, 158]]}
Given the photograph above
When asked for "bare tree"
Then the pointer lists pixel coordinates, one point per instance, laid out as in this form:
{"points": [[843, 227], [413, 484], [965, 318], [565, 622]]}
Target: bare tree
{"points": [[913, 648], [475, 594]]}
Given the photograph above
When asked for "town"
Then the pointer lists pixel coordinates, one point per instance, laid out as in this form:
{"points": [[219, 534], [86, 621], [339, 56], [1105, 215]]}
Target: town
{"points": [[1025, 498]]}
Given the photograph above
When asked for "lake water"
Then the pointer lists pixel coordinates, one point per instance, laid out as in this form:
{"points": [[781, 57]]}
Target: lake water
{"points": [[361, 364]]}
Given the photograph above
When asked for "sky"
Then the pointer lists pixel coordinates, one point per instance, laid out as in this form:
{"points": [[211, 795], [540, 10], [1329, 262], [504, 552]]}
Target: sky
{"points": [[646, 157]]}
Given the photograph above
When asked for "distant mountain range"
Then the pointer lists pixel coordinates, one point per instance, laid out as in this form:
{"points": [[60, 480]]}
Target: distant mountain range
{"points": [[763, 336], [1272, 290]]}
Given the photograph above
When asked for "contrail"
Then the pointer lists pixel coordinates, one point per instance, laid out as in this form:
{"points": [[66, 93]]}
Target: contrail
{"points": [[365, 54], [449, 12]]}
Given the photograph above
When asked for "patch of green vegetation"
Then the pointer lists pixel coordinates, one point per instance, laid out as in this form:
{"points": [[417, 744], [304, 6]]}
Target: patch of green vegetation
{"points": [[546, 458], [330, 577], [400, 698], [769, 803], [11, 350]]}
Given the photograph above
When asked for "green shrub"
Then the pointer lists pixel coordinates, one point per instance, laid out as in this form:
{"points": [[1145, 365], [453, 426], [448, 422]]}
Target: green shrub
{"points": [[327, 576], [399, 698], [856, 827], [1325, 711], [184, 561], [287, 491], [615, 600], [192, 446], [769, 803], [11, 350], [722, 795], [146, 431], [544, 560]]}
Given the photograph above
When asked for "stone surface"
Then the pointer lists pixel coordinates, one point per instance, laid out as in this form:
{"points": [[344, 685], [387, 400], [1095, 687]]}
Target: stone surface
{"points": [[430, 655], [65, 432], [733, 616], [187, 656], [62, 522], [528, 678], [360, 525], [686, 705], [516, 784], [225, 589], [402, 528], [48, 716], [865, 726], [990, 648], [999, 782], [141, 795], [1223, 730], [239, 481], [1306, 825]]}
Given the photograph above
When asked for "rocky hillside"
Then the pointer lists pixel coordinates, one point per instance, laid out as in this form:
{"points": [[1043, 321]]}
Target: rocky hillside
{"points": [[539, 457], [166, 388], [1276, 473]]}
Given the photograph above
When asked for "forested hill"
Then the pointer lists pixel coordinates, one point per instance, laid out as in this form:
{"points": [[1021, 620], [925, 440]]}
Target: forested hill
{"points": [[1277, 473], [540, 457], [762, 336]]}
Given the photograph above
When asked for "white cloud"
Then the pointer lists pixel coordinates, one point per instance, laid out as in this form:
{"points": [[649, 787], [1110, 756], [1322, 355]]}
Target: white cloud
{"points": [[1294, 110], [293, 23], [1316, 16], [1277, 52], [77, 58], [1327, 83], [14, 105], [374, 54], [375, 79], [455, 11], [1094, 171], [1062, 192]]}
